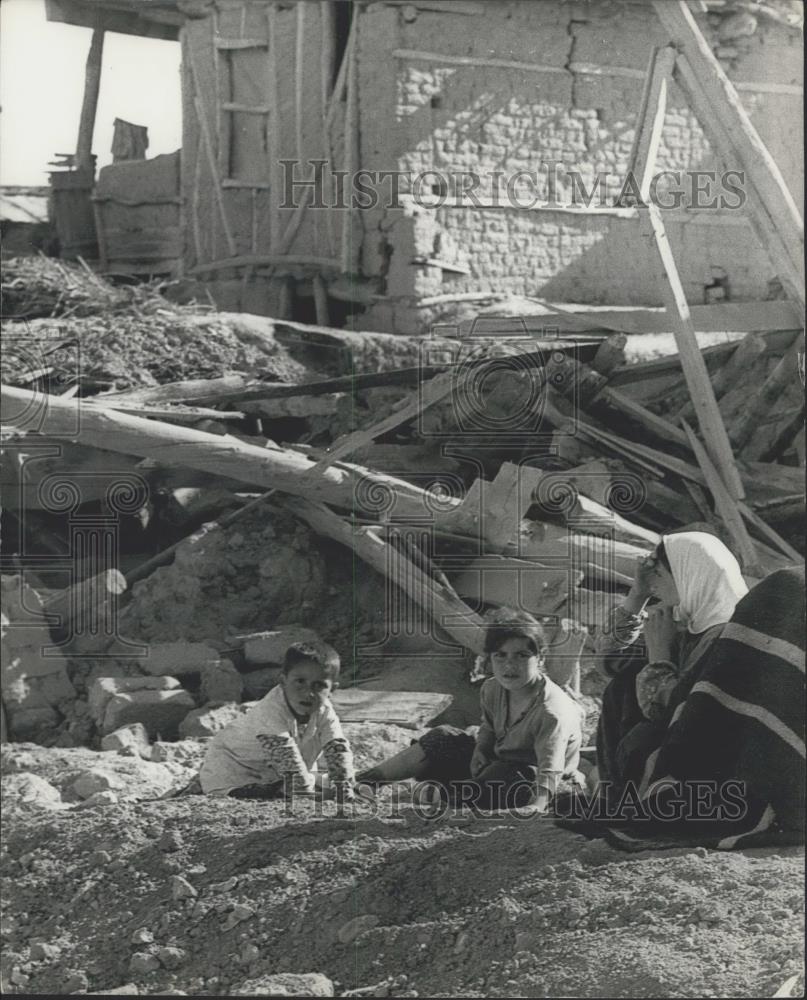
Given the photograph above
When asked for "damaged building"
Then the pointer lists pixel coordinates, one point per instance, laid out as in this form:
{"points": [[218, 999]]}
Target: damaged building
{"points": [[492, 140]]}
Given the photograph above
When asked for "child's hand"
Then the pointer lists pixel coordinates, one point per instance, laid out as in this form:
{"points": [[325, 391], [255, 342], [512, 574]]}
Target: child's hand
{"points": [[479, 761]]}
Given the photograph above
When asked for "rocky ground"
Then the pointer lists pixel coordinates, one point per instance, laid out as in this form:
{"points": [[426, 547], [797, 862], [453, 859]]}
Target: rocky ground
{"points": [[207, 897]]}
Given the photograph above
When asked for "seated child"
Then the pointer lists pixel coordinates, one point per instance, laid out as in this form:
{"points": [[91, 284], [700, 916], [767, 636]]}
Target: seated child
{"points": [[530, 736], [277, 743]]}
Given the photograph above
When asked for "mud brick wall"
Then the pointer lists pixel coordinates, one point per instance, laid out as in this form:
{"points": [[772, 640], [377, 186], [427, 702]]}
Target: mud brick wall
{"points": [[454, 118]]}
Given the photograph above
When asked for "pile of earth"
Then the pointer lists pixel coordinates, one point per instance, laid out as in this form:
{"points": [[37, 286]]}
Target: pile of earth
{"points": [[218, 897]]}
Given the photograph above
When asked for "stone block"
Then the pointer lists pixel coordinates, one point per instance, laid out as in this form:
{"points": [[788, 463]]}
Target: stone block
{"points": [[133, 737], [160, 711], [168, 659], [31, 725], [103, 689], [258, 683], [24, 790], [287, 984], [205, 722], [221, 682]]}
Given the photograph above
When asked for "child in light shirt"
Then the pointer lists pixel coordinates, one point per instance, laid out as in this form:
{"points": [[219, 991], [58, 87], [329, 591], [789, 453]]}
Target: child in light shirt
{"points": [[530, 736], [274, 748]]}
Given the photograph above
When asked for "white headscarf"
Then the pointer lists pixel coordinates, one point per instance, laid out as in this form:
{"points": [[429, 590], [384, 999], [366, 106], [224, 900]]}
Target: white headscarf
{"points": [[708, 579]]}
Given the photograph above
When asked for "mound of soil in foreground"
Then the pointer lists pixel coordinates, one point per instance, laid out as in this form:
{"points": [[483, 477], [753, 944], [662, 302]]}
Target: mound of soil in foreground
{"points": [[204, 896]]}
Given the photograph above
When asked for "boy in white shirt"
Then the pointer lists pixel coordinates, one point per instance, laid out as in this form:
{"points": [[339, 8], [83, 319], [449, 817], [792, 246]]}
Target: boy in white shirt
{"points": [[273, 748]]}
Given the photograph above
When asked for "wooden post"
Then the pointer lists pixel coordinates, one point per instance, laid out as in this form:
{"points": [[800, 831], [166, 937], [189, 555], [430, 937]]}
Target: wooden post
{"points": [[650, 120], [645, 150], [92, 85], [731, 132], [321, 301], [350, 149], [696, 374], [298, 82], [725, 505]]}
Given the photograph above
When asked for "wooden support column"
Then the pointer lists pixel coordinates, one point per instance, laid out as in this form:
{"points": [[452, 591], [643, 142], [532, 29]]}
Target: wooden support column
{"points": [[92, 86], [696, 374], [645, 150]]}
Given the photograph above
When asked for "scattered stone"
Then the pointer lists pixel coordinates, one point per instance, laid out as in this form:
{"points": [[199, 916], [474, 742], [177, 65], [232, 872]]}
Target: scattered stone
{"points": [[88, 783], [76, 982], [23, 790], [142, 962], [171, 958], [142, 936], [128, 989], [226, 886], [285, 984], [171, 840], [102, 689], [221, 682], [132, 737], [181, 888], [41, 951], [237, 915], [250, 952], [101, 799], [358, 925], [169, 658], [160, 711], [100, 858], [207, 721]]}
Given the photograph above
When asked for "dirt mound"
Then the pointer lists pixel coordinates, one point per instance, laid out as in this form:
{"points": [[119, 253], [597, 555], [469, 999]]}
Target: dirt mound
{"points": [[209, 897]]}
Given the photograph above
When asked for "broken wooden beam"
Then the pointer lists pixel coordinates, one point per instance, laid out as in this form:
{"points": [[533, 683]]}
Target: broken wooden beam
{"points": [[223, 455], [447, 611], [718, 446], [725, 505], [85, 603], [749, 416]]}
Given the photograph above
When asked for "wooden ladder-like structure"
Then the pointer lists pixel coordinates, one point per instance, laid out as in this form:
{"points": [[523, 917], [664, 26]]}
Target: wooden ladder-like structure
{"points": [[689, 61]]}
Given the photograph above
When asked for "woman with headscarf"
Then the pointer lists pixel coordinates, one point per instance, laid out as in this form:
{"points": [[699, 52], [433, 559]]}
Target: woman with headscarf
{"points": [[696, 583]]}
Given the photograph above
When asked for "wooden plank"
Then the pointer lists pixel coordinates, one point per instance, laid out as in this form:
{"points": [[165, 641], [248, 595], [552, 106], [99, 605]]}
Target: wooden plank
{"points": [[221, 455], [515, 583], [299, 51], [247, 109], [89, 106], [725, 505], [350, 149], [233, 44], [418, 55], [446, 609], [409, 709], [430, 392], [321, 301], [272, 125], [743, 426], [738, 142], [650, 120], [207, 143], [714, 433]]}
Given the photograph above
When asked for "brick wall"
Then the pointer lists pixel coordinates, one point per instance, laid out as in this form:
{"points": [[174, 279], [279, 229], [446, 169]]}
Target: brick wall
{"points": [[485, 118]]}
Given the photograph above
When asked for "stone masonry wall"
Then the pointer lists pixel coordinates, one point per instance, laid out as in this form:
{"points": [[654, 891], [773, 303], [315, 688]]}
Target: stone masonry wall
{"points": [[453, 118]]}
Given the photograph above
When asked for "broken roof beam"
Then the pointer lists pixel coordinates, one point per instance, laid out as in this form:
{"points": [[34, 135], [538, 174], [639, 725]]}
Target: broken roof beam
{"points": [[222, 455], [150, 19]]}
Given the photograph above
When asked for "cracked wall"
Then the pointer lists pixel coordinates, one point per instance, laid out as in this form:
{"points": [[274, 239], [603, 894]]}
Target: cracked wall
{"points": [[579, 114]]}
